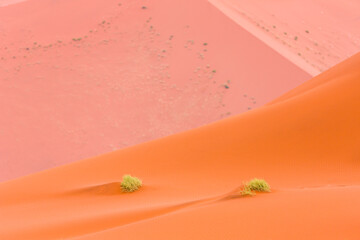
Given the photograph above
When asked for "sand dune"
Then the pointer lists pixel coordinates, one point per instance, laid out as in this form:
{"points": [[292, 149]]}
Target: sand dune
{"points": [[314, 34], [76, 84], [304, 143]]}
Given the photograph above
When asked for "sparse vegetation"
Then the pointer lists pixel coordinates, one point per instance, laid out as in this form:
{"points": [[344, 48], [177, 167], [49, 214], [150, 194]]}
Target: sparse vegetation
{"points": [[295, 38], [130, 184], [307, 31], [255, 185], [205, 44], [246, 191], [76, 39], [258, 185]]}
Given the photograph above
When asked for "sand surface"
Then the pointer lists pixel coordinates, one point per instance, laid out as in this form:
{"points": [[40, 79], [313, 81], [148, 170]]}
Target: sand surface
{"points": [[112, 74], [304, 143], [314, 34], [4, 3]]}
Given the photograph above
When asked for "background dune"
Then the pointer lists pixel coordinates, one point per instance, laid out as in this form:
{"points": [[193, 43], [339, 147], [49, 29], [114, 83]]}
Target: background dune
{"points": [[305, 144], [79, 78], [314, 34]]}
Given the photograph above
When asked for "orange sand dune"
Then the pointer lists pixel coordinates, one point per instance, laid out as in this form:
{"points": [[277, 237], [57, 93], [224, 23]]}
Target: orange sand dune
{"points": [[305, 144], [79, 78]]}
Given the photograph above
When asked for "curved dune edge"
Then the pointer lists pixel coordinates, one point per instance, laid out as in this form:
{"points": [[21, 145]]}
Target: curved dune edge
{"points": [[315, 35], [271, 42], [122, 75], [306, 146]]}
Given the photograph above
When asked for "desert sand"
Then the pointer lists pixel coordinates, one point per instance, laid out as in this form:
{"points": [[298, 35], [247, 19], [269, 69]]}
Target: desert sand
{"points": [[112, 74], [304, 143], [4, 3], [195, 100], [315, 35]]}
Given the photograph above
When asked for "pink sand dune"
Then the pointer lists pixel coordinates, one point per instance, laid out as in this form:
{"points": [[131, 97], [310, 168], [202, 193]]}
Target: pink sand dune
{"points": [[80, 78], [314, 34]]}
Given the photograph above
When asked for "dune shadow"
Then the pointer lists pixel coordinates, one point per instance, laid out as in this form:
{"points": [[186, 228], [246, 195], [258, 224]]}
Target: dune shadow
{"points": [[109, 189]]}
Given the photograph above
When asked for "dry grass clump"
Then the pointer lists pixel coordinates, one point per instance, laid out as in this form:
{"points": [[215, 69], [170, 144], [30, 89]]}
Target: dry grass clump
{"points": [[246, 191], [258, 185], [130, 184], [255, 185]]}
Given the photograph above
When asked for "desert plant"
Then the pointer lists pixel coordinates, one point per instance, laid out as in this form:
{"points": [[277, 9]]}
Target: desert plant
{"points": [[130, 184], [258, 185], [246, 191]]}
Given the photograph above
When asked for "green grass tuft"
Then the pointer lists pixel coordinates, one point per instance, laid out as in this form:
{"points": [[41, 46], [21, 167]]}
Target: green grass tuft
{"points": [[258, 185], [130, 184], [255, 185]]}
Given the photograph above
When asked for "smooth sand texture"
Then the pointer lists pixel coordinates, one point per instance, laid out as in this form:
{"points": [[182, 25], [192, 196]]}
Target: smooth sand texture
{"points": [[305, 144], [79, 78], [4, 3], [314, 34]]}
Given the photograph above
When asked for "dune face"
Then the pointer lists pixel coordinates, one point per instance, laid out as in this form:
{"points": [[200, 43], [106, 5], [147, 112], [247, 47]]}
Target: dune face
{"points": [[304, 143], [75, 84], [315, 34]]}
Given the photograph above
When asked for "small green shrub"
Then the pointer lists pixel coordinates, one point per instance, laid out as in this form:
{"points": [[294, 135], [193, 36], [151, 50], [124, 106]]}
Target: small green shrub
{"points": [[255, 185], [130, 184], [258, 185]]}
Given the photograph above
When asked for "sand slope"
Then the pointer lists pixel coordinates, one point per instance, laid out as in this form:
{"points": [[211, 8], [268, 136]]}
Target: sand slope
{"points": [[314, 34], [305, 143], [75, 84]]}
